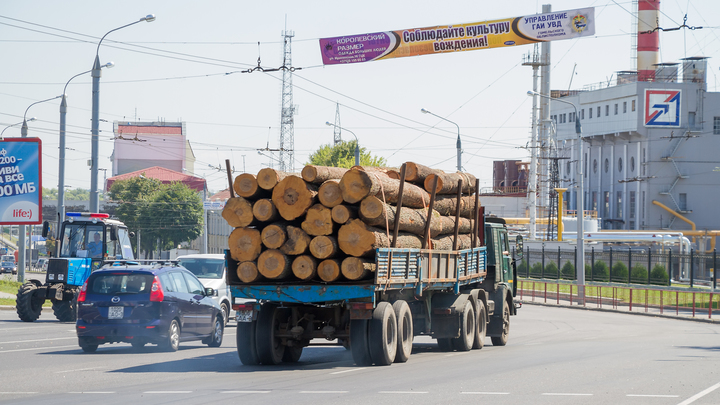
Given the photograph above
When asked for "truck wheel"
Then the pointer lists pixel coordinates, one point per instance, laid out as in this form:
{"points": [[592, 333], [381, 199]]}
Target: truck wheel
{"points": [[445, 344], [28, 307], [480, 326], [216, 337], [292, 354], [467, 329], [270, 348], [65, 311], [245, 340], [359, 342], [404, 331], [503, 338], [382, 335], [172, 341]]}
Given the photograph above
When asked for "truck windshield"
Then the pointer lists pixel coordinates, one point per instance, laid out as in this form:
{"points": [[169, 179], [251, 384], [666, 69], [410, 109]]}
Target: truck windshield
{"points": [[82, 240], [204, 268]]}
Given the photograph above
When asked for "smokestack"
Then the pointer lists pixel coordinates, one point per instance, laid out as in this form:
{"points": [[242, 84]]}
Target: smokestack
{"points": [[648, 42]]}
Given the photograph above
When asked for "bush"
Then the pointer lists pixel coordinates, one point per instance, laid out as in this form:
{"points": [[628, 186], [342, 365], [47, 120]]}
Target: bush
{"points": [[658, 275], [600, 271], [639, 274], [551, 270], [522, 268], [568, 270], [536, 270], [620, 272]]}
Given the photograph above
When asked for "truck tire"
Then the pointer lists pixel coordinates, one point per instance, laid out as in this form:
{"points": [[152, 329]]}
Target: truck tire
{"points": [[28, 307], [467, 328], [245, 340], [404, 331], [503, 338], [292, 354], [382, 335], [445, 344], [480, 326], [270, 348], [65, 311], [359, 342]]}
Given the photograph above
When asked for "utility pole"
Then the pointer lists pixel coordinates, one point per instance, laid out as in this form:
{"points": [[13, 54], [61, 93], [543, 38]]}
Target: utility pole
{"points": [[337, 130], [544, 139], [287, 111]]}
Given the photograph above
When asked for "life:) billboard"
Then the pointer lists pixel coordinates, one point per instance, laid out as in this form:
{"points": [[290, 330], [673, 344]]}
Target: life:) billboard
{"points": [[20, 181], [459, 37]]}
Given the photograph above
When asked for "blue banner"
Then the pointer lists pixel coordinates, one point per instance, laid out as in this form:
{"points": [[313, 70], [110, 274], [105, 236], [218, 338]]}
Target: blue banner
{"points": [[20, 181]]}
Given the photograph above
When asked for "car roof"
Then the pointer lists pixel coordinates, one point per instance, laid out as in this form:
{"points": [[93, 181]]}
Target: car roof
{"points": [[139, 268]]}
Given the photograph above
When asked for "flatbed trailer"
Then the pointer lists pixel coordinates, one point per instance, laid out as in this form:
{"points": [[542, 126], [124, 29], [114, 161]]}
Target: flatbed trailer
{"points": [[457, 297]]}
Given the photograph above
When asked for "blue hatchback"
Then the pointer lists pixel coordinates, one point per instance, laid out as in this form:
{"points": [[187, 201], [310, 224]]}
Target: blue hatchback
{"points": [[140, 304]]}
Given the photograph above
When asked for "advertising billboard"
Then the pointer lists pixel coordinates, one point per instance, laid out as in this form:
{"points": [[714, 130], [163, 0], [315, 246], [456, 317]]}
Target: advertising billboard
{"points": [[459, 37], [20, 181]]}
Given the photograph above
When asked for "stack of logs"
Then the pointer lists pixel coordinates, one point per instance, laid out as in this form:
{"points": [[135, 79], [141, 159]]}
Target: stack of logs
{"points": [[325, 224]]}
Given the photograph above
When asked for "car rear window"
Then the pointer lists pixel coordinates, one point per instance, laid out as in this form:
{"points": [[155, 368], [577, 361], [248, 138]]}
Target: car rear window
{"points": [[120, 283]]}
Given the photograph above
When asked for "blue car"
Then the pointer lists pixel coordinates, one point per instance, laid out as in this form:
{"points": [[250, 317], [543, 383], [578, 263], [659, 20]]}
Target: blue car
{"points": [[141, 304]]}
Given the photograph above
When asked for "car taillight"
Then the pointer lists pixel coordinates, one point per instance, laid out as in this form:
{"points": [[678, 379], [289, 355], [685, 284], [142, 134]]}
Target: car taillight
{"points": [[156, 291], [83, 292]]}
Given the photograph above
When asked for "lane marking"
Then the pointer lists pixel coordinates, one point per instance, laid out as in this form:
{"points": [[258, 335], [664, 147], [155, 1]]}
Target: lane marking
{"points": [[39, 348], [323, 392], [245, 392], [566, 394], [92, 392], [349, 371], [484, 393], [700, 395], [36, 340], [167, 392], [652, 396], [79, 369], [17, 393], [402, 392]]}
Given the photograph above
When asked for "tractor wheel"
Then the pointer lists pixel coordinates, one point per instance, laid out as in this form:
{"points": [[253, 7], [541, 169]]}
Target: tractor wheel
{"points": [[65, 311], [28, 307]]}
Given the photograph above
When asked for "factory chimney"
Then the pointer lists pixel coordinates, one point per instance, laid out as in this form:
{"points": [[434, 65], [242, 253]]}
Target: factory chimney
{"points": [[648, 39]]}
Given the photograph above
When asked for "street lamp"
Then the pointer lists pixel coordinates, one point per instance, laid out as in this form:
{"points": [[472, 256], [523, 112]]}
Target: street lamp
{"points": [[95, 138], [457, 145], [357, 143], [580, 190], [61, 153], [24, 128], [18, 123]]}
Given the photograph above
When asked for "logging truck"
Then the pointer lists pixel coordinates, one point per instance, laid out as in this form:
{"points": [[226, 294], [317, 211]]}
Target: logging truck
{"points": [[341, 269]]}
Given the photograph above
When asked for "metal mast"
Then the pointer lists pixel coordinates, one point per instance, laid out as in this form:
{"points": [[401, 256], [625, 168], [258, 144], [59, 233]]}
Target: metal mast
{"points": [[337, 131], [533, 59], [287, 110]]}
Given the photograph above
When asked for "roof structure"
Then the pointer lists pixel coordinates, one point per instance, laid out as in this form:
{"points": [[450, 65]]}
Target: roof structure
{"points": [[166, 176]]}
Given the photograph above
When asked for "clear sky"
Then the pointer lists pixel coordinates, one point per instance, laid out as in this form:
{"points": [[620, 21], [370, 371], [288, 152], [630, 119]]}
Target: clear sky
{"points": [[185, 66]]}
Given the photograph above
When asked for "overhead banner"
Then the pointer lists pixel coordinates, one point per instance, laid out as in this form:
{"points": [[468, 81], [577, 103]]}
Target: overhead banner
{"points": [[20, 181], [461, 37]]}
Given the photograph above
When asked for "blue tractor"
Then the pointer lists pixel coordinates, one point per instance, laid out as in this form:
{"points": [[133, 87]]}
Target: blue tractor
{"points": [[87, 240]]}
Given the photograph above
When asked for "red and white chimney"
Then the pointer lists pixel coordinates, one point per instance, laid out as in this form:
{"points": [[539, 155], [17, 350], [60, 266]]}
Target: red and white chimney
{"points": [[648, 42]]}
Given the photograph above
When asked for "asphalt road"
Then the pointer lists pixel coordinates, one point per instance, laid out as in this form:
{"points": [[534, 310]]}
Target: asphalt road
{"points": [[554, 356]]}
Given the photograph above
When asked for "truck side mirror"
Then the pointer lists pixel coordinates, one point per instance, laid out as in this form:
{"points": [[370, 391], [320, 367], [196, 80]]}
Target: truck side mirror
{"points": [[113, 233], [45, 229], [519, 245]]}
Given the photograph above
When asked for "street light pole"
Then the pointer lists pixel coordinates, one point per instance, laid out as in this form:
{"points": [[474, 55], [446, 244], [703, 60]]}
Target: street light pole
{"points": [[95, 130], [357, 143], [458, 144], [18, 123], [580, 190]]}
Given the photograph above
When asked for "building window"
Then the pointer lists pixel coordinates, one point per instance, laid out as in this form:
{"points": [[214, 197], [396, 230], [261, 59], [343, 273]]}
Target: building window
{"points": [[572, 117], [632, 206], [633, 106], [590, 112], [632, 164], [582, 114], [643, 162], [616, 109], [594, 201], [598, 114], [606, 204], [682, 201], [624, 107], [620, 165], [607, 110], [568, 167], [618, 206], [642, 207], [607, 165], [585, 166], [716, 125], [594, 165]]}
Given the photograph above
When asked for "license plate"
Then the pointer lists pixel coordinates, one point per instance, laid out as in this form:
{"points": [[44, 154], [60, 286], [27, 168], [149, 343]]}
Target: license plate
{"points": [[245, 315], [116, 312]]}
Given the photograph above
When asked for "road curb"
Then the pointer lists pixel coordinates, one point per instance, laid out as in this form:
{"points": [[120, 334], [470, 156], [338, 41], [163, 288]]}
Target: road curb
{"points": [[7, 308]]}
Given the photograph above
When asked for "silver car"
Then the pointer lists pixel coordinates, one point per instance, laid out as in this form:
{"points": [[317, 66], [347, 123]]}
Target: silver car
{"points": [[210, 269]]}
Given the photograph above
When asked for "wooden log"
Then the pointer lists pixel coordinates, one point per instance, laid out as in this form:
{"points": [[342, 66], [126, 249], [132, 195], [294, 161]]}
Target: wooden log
{"points": [[448, 182], [376, 213], [238, 212], [329, 270], [446, 242], [297, 241], [357, 184], [274, 265], [357, 268], [318, 221], [417, 173], [274, 235], [320, 174], [245, 244], [324, 247], [465, 225], [292, 197], [304, 267], [393, 174], [248, 272], [446, 205], [268, 178], [343, 213], [264, 210], [246, 186], [357, 239], [330, 194]]}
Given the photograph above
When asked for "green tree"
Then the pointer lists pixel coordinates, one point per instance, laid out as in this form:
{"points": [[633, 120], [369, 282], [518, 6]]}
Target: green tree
{"points": [[619, 272], [343, 155], [659, 275], [568, 270]]}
